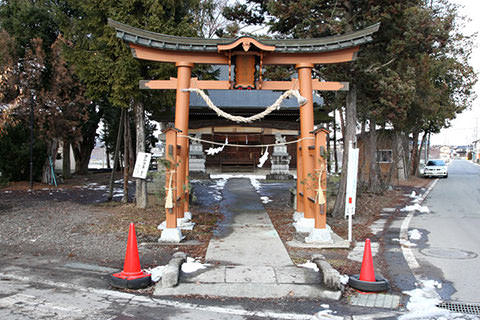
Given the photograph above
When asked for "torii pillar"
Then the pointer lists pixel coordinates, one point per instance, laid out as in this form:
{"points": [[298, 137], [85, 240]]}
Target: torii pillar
{"points": [[306, 223], [184, 73]]}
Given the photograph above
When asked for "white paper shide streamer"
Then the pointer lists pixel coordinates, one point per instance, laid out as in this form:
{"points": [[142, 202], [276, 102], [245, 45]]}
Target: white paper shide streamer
{"points": [[263, 158], [213, 151]]}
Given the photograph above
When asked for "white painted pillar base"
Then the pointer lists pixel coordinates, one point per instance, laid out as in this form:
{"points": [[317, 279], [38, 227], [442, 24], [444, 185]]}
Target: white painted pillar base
{"points": [[297, 216], [171, 235], [187, 216], [304, 225], [320, 236], [181, 224]]}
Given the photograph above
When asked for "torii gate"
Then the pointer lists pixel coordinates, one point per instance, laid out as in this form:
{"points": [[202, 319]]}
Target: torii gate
{"points": [[249, 55]]}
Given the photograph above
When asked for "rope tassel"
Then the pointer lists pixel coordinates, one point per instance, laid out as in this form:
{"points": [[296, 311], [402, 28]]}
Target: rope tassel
{"points": [[301, 101], [169, 197], [320, 197]]}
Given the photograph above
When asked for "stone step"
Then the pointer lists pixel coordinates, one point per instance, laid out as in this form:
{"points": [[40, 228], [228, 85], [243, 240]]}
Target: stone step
{"points": [[253, 274], [250, 290]]}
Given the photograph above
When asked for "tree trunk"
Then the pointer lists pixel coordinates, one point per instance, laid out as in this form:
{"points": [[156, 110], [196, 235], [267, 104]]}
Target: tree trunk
{"points": [[66, 170], [125, 158], [374, 175], [131, 151], [107, 155], [115, 155], [335, 155], [141, 184], [401, 154], [406, 153], [422, 143], [350, 126], [414, 156], [363, 172], [82, 152]]}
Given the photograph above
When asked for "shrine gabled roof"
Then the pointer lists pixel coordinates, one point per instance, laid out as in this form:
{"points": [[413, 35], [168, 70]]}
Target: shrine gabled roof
{"points": [[247, 99], [167, 42]]}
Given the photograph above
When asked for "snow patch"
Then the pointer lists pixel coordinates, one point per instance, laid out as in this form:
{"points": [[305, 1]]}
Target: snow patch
{"points": [[423, 301], [344, 279], [266, 200], [309, 265], [156, 273], [413, 194], [416, 207], [414, 234], [304, 225], [254, 179], [405, 243], [192, 265]]}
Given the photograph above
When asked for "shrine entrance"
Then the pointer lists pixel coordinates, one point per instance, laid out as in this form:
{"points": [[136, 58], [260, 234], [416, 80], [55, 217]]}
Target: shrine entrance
{"points": [[247, 56]]}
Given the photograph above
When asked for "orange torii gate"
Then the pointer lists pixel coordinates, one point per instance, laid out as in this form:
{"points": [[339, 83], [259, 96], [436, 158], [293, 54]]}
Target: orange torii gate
{"points": [[248, 55]]}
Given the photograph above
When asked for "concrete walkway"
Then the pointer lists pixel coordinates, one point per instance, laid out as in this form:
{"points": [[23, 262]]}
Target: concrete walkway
{"points": [[246, 236], [246, 256]]}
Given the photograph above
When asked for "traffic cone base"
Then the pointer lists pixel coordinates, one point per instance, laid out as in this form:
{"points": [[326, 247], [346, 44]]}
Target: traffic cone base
{"points": [[132, 276]]}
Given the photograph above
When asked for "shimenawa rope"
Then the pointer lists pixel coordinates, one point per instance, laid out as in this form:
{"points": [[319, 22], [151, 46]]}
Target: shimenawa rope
{"points": [[301, 101], [245, 145]]}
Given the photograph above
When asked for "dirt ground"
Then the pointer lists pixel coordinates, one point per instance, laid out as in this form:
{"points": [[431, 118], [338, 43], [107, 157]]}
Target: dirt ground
{"points": [[76, 222]]}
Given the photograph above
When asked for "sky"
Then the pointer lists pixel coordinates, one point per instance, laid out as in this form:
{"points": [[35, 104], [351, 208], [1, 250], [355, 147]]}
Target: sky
{"points": [[466, 127]]}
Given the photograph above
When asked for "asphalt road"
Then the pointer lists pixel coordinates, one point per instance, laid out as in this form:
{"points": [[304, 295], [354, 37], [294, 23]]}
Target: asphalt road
{"points": [[450, 244]]}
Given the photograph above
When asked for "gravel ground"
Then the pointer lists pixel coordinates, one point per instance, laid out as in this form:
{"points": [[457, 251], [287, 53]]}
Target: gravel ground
{"points": [[73, 222]]}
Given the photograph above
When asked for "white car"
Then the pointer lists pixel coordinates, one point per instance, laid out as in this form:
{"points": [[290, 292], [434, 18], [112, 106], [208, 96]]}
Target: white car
{"points": [[435, 168]]}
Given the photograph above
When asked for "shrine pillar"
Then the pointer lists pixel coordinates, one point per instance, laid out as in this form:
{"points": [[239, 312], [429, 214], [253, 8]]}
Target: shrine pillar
{"points": [[321, 232], [184, 73], [307, 144], [171, 232], [299, 208]]}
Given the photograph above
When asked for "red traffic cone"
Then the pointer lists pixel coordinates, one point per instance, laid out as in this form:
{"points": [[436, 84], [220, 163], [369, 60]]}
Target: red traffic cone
{"points": [[132, 276], [367, 282], [366, 272]]}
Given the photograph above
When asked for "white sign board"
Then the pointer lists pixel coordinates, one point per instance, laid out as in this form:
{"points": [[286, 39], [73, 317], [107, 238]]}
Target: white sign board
{"points": [[352, 172], [141, 165]]}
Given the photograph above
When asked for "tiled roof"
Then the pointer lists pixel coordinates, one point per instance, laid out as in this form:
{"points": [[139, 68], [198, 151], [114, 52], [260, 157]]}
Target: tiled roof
{"points": [[246, 99], [167, 42]]}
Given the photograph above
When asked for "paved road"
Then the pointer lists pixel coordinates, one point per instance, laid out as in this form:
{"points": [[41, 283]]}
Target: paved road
{"points": [[450, 243]]}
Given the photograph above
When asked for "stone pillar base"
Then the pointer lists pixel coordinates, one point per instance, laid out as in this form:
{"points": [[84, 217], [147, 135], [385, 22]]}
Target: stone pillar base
{"points": [[173, 235], [304, 225], [182, 224], [297, 216], [320, 236]]}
